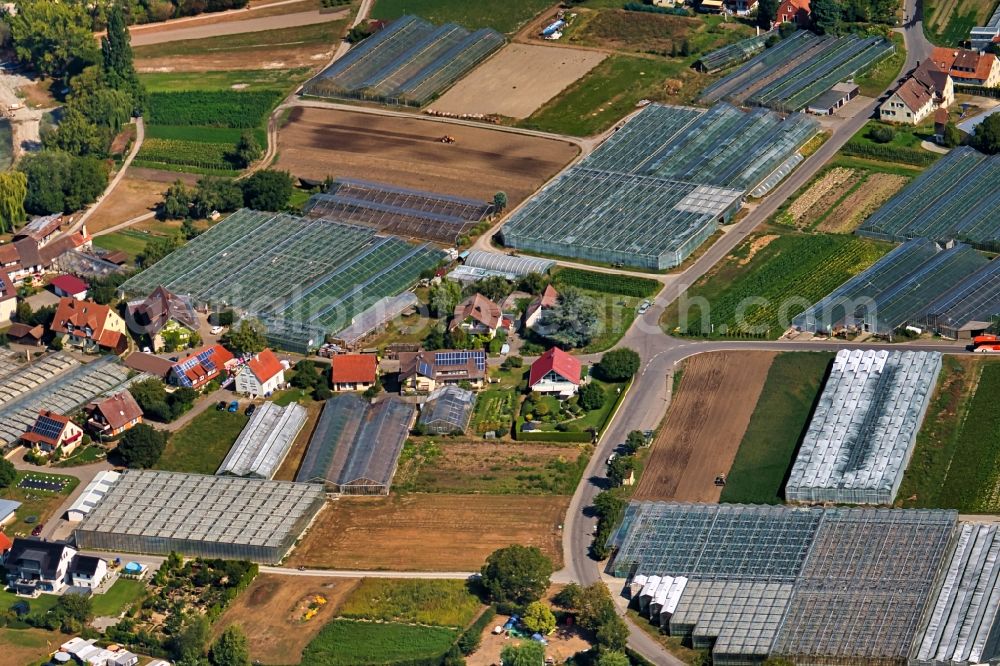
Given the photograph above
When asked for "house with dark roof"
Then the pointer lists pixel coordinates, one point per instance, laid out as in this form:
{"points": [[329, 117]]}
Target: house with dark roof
{"points": [[555, 372], [938, 82], [968, 68], [544, 301], [35, 566], [113, 416], [424, 371], [52, 432], [477, 315], [90, 326], [26, 256], [150, 364], [163, 316], [69, 286], [353, 372], [262, 375], [201, 366], [24, 334], [87, 571]]}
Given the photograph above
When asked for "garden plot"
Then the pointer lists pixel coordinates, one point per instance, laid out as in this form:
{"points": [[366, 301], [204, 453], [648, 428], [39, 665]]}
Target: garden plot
{"points": [[518, 80]]}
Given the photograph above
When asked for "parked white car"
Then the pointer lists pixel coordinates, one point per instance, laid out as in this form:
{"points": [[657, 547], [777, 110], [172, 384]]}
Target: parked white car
{"points": [[216, 330]]}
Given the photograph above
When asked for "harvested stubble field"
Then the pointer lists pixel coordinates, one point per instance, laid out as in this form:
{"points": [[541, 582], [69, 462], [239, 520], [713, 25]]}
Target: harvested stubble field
{"points": [[429, 532], [704, 426], [274, 605], [317, 143], [518, 80], [841, 198], [133, 197]]}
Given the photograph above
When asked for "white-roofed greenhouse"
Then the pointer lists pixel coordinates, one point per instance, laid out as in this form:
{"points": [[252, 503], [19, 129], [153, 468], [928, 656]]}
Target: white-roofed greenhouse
{"points": [[448, 410], [264, 441]]}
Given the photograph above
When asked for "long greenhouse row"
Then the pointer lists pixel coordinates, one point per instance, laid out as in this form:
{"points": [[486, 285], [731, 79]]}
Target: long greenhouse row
{"points": [[846, 586], [304, 277], [956, 199], [409, 62], [916, 284], [410, 213], [791, 74], [659, 186], [733, 54]]}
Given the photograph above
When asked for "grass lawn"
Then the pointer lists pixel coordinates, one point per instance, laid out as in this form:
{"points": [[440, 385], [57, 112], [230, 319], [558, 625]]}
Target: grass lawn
{"points": [[956, 460], [288, 396], [443, 603], [121, 595], [596, 418], [327, 34], [128, 241], [28, 647], [780, 418], [494, 410], [41, 504], [84, 456], [605, 95], [904, 136], [784, 276], [884, 73], [350, 643], [617, 314], [265, 79], [43, 604], [202, 444], [503, 15]]}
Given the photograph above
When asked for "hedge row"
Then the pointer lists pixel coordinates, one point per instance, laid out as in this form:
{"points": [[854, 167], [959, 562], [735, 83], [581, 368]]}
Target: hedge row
{"points": [[221, 108], [982, 91], [890, 153], [608, 283], [553, 436]]}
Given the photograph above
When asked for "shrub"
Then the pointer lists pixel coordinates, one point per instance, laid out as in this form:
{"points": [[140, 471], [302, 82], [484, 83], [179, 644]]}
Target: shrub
{"points": [[881, 134], [618, 365], [591, 397]]}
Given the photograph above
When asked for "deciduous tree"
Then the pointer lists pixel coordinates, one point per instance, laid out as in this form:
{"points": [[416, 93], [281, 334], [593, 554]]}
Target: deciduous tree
{"points": [[231, 648], [267, 190], [528, 653], [618, 365], [7, 473], [13, 191], [573, 321], [986, 136], [246, 338], [444, 296], [51, 36], [141, 446], [537, 618], [518, 574], [826, 16]]}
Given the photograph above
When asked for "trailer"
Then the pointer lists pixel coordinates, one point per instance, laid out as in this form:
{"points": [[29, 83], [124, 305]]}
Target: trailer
{"points": [[553, 27]]}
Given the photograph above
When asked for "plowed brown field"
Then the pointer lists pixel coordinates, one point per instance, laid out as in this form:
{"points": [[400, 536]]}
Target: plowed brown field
{"points": [[704, 427], [406, 152], [419, 532]]}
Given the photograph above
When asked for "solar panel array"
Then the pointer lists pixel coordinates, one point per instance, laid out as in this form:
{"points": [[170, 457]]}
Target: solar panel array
{"points": [[47, 427], [158, 512], [659, 186], [355, 446], [955, 199], [800, 68], [409, 213], [409, 62], [304, 277], [461, 358]]}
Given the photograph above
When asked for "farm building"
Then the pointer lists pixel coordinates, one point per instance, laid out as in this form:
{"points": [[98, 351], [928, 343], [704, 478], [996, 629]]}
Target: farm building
{"points": [[409, 62], [965, 613], [303, 277], [40, 229], [660, 186], [376, 318], [399, 211], [264, 441], [864, 427], [162, 312], [355, 446], [917, 284], [58, 383], [758, 579], [836, 97], [447, 410], [353, 372], [156, 512], [956, 199], [478, 264], [555, 372], [92, 495], [981, 36], [8, 513], [790, 75], [424, 371], [261, 375]]}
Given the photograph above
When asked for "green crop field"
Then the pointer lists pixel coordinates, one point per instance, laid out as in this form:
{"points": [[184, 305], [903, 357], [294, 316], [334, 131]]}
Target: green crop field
{"points": [[779, 420], [607, 283], [503, 15], [350, 643], [212, 108], [201, 445], [757, 296], [227, 135], [246, 79], [187, 153], [128, 241], [956, 460], [442, 603], [605, 95]]}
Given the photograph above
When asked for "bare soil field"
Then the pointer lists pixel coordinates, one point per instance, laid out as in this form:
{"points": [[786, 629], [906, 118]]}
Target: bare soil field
{"points": [[290, 466], [271, 611], [417, 532], [226, 59], [409, 153], [518, 80], [704, 427], [132, 197], [256, 11]]}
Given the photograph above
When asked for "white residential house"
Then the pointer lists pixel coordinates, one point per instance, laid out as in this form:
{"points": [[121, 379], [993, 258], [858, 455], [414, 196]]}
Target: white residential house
{"points": [[35, 566], [555, 372], [261, 376], [88, 572]]}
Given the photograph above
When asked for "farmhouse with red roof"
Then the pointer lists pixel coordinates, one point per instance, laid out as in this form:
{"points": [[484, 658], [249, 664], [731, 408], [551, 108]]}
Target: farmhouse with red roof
{"points": [[556, 372], [353, 372]]}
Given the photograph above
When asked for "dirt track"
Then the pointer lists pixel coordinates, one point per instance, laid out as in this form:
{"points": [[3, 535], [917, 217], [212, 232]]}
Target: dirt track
{"points": [[419, 532], [704, 427], [408, 153], [518, 80], [231, 27]]}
